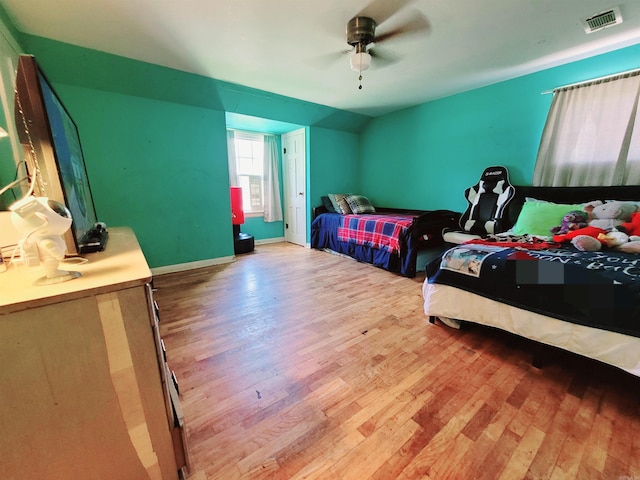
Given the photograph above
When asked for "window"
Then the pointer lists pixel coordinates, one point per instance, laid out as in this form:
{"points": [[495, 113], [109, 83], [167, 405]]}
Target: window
{"points": [[592, 134], [249, 157], [254, 165]]}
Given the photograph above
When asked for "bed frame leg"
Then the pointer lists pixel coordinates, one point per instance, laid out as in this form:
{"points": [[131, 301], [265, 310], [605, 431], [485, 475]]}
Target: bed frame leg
{"points": [[542, 355], [537, 361], [449, 322]]}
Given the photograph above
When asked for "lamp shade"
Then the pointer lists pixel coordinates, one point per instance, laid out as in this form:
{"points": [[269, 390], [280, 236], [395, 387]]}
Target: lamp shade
{"points": [[237, 213], [360, 61]]}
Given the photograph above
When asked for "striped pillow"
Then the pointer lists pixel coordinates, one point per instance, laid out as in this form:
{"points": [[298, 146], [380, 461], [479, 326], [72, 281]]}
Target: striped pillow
{"points": [[359, 204], [339, 203]]}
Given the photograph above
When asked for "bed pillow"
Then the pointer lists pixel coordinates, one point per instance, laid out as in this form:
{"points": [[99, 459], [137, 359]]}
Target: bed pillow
{"points": [[339, 203], [326, 203], [359, 204], [537, 218]]}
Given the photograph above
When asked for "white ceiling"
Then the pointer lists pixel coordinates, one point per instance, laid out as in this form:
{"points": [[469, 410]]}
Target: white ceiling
{"points": [[281, 45]]}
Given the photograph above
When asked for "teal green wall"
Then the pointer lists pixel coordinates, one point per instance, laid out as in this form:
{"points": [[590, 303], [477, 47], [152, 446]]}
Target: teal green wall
{"points": [[332, 167], [7, 168], [332, 164], [155, 146], [425, 156], [262, 230], [160, 168]]}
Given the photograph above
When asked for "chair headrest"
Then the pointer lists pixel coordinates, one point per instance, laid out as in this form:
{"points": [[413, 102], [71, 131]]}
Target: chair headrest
{"points": [[487, 202]]}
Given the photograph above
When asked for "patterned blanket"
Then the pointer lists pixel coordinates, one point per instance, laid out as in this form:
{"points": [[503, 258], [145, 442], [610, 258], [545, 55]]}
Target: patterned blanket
{"points": [[379, 231], [598, 289]]}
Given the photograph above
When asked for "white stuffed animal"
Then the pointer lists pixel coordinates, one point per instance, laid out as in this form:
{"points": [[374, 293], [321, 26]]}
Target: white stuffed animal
{"points": [[610, 214]]}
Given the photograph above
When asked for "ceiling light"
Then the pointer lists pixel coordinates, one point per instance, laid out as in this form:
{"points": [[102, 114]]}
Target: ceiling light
{"points": [[360, 61]]}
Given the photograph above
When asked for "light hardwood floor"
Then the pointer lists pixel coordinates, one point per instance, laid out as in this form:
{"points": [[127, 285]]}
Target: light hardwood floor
{"points": [[295, 363]]}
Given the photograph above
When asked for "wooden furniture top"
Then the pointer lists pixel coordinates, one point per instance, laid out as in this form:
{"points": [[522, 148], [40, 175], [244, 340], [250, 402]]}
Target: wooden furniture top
{"points": [[121, 265]]}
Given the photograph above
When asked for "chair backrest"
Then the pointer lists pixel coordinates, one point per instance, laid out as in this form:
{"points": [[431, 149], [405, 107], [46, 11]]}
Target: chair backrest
{"points": [[487, 200]]}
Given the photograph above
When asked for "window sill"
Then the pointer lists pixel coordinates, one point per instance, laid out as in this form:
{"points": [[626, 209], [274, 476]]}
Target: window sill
{"points": [[254, 214]]}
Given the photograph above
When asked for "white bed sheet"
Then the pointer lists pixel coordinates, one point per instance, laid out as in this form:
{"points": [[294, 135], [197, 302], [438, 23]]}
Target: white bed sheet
{"points": [[622, 351]]}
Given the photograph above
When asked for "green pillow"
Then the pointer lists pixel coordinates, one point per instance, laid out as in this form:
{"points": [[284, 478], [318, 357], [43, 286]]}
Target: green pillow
{"points": [[537, 218]]}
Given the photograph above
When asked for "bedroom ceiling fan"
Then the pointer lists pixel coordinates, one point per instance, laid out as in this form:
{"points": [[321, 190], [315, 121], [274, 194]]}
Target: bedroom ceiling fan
{"points": [[362, 35]]}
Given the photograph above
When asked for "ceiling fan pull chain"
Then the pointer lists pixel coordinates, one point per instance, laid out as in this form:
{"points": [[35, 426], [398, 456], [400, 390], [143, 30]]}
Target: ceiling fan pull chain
{"points": [[360, 78]]}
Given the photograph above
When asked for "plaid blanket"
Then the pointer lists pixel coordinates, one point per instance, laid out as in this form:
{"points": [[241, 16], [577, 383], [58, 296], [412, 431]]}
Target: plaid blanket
{"points": [[379, 231]]}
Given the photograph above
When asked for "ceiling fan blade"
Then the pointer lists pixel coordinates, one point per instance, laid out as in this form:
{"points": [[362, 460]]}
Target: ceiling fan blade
{"points": [[328, 59], [381, 10], [382, 57], [417, 24]]}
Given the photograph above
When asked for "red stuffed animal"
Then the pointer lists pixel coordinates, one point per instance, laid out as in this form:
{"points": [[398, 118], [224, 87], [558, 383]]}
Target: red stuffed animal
{"points": [[632, 227], [590, 231]]}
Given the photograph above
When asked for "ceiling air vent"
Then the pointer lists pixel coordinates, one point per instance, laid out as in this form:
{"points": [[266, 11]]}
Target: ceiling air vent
{"points": [[601, 20]]}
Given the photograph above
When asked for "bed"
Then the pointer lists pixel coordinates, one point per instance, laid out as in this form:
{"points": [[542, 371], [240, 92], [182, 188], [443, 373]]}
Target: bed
{"points": [[386, 238], [584, 302]]}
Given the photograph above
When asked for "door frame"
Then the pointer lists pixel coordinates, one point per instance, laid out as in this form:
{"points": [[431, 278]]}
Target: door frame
{"points": [[286, 187]]}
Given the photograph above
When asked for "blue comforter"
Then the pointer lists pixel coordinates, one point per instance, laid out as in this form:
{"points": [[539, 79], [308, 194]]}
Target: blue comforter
{"points": [[324, 234]]}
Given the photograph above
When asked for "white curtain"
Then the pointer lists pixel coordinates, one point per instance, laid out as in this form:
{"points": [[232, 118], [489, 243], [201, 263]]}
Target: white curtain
{"points": [[231, 153], [271, 177], [592, 135]]}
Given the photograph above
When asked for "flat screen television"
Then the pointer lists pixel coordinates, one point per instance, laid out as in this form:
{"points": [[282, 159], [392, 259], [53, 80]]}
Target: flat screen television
{"points": [[54, 157]]}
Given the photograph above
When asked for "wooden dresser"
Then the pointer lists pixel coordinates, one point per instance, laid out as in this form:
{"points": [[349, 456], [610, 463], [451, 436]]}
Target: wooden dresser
{"points": [[85, 389]]}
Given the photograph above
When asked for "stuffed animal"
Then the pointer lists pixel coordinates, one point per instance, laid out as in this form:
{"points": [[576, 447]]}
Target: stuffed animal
{"points": [[614, 239], [602, 220], [587, 231], [588, 243], [631, 227], [610, 214], [573, 220]]}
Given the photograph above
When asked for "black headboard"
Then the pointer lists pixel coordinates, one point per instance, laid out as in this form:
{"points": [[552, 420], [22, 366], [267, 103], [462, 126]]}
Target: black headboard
{"points": [[568, 195]]}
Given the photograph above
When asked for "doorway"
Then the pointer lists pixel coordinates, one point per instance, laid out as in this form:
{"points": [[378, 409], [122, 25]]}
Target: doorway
{"points": [[295, 186]]}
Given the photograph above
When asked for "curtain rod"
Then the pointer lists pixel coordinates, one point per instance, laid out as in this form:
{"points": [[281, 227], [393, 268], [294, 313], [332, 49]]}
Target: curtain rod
{"points": [[254, 132], [605, 77]]}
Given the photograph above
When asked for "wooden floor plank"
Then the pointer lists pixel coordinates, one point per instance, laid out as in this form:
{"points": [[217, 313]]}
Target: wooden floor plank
{"points": [[524, 454], [295, 363]]}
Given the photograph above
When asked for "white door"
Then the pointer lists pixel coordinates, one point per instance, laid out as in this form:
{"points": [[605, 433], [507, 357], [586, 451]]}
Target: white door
{"points": [[295, 192]]}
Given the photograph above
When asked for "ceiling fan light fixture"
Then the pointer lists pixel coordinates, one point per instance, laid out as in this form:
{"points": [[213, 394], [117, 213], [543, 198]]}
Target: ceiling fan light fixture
{"points": [[360, 61]]}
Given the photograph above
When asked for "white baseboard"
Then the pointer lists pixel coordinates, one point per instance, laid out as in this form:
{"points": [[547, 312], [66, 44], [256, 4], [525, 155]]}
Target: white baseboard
{"points": [[264, 241], [278, 240], [181, 267]]}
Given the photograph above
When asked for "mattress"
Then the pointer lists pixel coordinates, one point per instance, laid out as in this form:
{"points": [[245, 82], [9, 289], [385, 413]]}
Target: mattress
{"points": [[613, 348]]}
